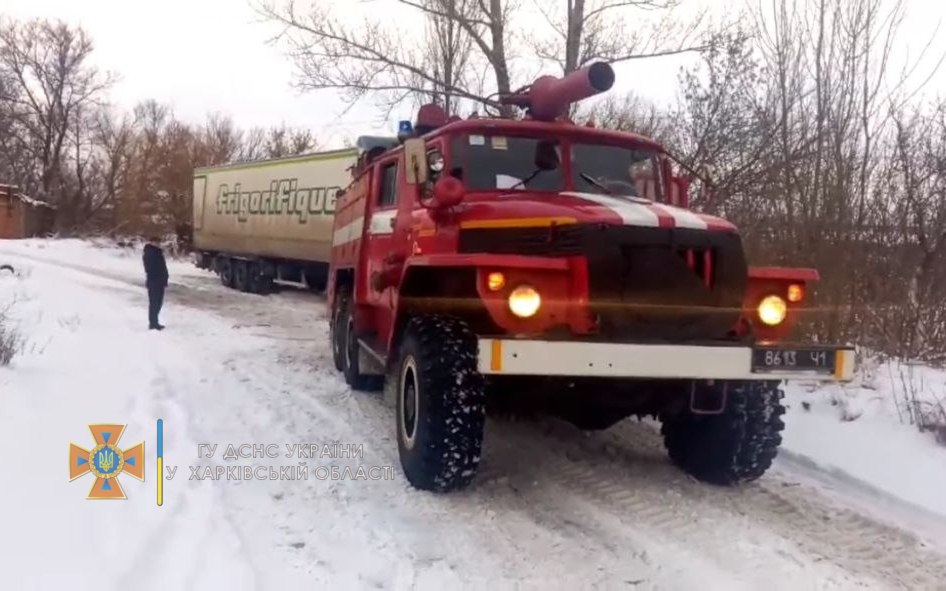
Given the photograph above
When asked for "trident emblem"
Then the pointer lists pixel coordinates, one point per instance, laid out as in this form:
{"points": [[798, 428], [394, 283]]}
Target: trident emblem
{"points": [[106, 460]]}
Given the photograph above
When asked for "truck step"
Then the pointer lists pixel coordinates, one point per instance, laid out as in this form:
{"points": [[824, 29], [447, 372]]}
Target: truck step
{"points": [[372, 360]]}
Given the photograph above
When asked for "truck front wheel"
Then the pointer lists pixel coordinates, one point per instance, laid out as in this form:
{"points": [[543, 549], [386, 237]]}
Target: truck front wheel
{"points": [[441, 404], [735, 446]]}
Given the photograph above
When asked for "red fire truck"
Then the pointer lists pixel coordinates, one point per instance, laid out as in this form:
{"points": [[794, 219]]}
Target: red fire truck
{"points": [[535, 258]]}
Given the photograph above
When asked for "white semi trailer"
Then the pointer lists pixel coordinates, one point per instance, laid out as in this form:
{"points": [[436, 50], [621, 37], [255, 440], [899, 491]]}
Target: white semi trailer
{"points": [[269, 221]]}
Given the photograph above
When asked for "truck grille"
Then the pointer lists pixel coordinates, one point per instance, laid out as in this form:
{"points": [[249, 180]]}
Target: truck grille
{"points": [[556, 241], [646, 284]]}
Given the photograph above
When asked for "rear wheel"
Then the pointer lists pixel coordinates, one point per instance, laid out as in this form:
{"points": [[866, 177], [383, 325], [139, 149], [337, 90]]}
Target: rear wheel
{"points": [[350, 351], [259, 281], [441, 409], [241, 275], [337, 328], [735, 446], [226, 271]]}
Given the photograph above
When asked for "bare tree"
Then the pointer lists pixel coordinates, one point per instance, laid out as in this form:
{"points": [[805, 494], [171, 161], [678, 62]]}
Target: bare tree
{"points": [[113, 134], [584, 31], [220, 141], [284, 141], [447, 55], [372, 56], [375, 57], [632, 113], [49, 86], [801, 116]]}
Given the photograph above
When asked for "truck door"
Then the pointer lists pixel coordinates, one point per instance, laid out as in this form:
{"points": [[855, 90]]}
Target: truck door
{"points": [[380, 222], [200, 196]]}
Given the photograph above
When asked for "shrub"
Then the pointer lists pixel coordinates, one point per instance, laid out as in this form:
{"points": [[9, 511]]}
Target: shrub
{"points": [[11, 342]]}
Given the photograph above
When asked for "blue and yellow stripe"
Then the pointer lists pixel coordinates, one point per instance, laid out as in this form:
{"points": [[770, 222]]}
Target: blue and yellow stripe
{"points": [[160, 462]]}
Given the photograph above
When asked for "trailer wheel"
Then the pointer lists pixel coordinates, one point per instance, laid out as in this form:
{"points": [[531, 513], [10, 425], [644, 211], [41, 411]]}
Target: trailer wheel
{"points": [[260, 283], [350, 363], [316, 280], [6, 270], [735, 446], [226, 271], [241, 275], [441, 404]]}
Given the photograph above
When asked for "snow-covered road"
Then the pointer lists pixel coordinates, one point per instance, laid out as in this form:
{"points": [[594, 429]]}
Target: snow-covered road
{"points": [[552, 507]]}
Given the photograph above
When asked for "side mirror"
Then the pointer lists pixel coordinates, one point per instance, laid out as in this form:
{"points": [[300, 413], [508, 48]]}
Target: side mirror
{"points": [[447, 192], [415, 161]]}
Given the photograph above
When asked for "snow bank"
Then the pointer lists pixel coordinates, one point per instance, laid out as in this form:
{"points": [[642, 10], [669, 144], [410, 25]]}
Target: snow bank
{"points": [[98, 254], [90, 358], [863, 430]]}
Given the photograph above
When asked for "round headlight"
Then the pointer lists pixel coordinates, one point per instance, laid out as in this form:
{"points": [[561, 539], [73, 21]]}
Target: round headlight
{"points": [[524, 301], [772, 310]]}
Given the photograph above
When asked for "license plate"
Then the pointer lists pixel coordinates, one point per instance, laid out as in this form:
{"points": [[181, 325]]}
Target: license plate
{"points": [[820, 361]]}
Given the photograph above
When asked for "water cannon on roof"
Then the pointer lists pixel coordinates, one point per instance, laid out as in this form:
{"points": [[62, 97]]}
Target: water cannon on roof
{"points": [[549, 97]]}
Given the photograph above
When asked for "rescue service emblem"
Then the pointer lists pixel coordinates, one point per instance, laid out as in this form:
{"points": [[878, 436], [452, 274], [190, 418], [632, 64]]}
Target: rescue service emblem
{"points": [[106, 461]]}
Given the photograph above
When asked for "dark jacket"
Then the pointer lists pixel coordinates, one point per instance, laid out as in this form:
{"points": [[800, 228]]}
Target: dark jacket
{"points": [[156, 268]]}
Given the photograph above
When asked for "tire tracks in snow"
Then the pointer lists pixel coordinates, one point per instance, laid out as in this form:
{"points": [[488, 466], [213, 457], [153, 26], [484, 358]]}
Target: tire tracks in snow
{"points": [[190, 525], [625, 472]]}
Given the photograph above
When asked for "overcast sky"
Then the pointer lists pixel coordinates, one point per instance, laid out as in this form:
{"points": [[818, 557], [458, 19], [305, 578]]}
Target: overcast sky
{"points": [[205, 56]]}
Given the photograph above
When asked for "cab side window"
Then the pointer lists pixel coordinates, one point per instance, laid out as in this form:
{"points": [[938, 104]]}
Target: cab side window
{"points": [[388, 195]]}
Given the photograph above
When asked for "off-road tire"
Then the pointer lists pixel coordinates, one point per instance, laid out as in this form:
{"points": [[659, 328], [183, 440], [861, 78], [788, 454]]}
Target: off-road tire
{"points": [[735, 446], [440, 448], [337, 327], [350, 362]]}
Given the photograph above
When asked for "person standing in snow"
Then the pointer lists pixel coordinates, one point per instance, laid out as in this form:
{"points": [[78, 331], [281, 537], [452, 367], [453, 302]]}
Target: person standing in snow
{"points": [[156, 272]]}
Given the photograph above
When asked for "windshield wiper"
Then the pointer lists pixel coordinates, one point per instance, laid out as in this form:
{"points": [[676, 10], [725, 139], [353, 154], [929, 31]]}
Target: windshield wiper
{"points": [[596, 183], [527, 179]]}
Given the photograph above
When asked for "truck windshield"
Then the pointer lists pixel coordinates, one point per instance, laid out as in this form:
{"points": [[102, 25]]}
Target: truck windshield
{"points": [[485, 162]]}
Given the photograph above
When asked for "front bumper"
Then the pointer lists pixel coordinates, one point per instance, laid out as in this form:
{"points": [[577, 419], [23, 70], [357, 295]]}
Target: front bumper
{"points": [[619, 360]]}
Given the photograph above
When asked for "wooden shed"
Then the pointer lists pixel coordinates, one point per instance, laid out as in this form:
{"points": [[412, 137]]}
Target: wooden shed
{"points": [[22, 217]]}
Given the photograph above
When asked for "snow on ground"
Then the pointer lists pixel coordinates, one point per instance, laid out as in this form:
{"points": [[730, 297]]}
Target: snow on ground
{"points": [[552, 506], [101, 255], [862, 431]]}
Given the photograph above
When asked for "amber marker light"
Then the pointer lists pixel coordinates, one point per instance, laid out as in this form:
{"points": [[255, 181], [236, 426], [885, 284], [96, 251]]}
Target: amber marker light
{"points": [[795, 293], [495, 281]]}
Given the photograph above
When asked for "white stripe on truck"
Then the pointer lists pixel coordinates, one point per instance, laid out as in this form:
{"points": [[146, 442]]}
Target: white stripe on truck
{"points": [[348, 233], [632, 214], [644, 213], [380, 224], [682, 218]]}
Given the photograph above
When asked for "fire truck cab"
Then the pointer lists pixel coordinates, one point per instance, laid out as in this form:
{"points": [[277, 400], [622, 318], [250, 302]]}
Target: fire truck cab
{"points": [[537, 259]]}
